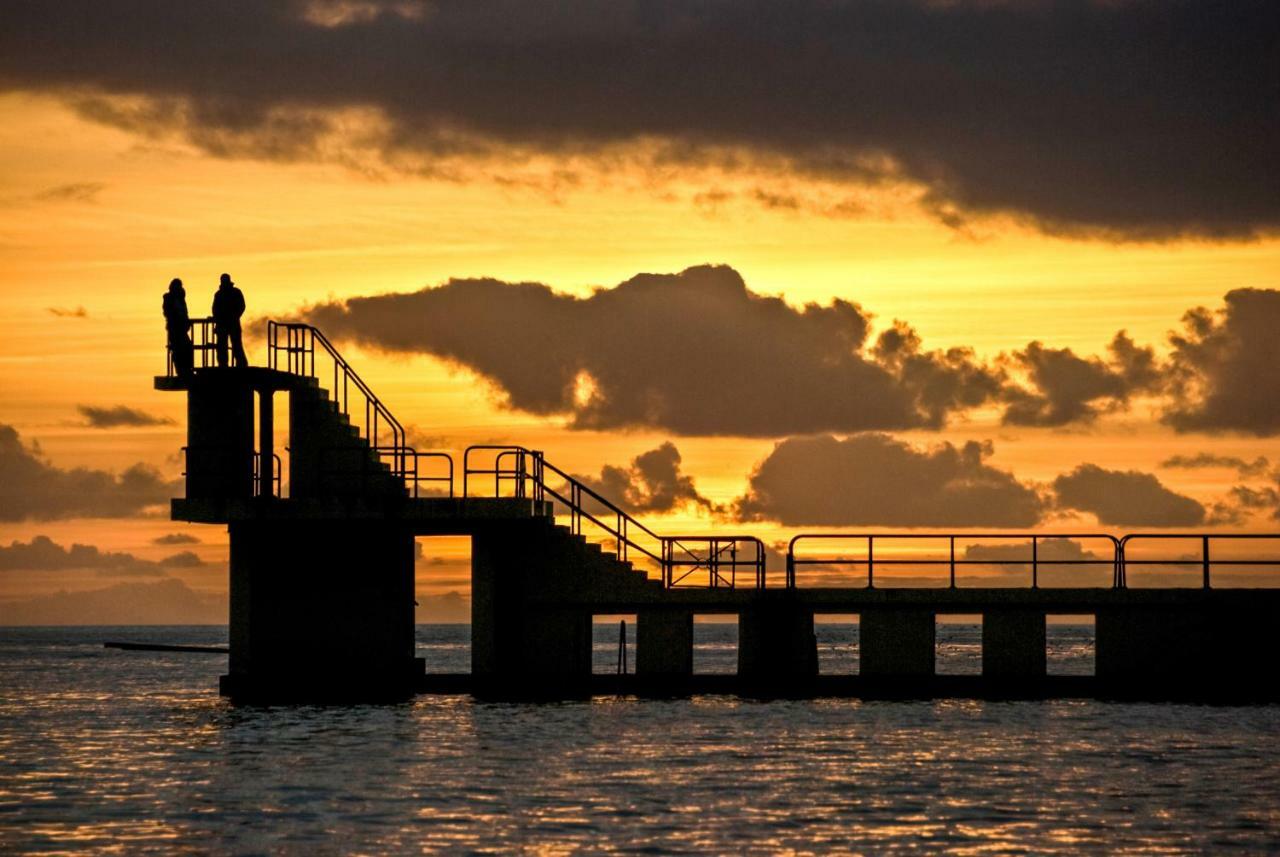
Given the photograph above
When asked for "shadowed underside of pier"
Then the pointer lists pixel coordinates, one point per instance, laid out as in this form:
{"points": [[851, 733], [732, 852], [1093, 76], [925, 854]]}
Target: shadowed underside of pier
{"points": [[329, 545]]}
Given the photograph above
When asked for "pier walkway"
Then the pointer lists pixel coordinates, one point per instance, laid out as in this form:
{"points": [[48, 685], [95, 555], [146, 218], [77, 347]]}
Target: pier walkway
{"points": [[331, 544]]}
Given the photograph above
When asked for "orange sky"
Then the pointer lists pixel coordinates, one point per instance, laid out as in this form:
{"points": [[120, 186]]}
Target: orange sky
{"points": [[100, 218]]}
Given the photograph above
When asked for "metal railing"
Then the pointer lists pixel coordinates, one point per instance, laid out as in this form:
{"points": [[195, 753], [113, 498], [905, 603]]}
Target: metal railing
{"points": [[276, 478], [1034, 541], [679, 559], [292, 347], [204, 345], [1203, 563], [412, 468]]}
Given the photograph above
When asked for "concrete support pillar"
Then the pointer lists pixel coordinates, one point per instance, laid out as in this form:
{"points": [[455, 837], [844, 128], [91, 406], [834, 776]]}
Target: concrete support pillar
{"points": [[664, 643], [1013, 644], [321, 610], [1153, 651], [519, 644], [266, 442], [897, 643], [776, 643], [1206, 650], [219, 440]]}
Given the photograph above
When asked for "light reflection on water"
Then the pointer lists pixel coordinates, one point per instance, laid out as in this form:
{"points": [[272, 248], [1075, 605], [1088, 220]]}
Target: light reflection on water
{"points": [[134, 751]]}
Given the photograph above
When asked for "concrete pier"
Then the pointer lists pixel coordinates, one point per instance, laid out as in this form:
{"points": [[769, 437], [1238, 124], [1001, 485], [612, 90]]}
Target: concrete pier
{"points": [[321, 611], [897, 643], [1013, 644], [776, 644], [322, 578], [664, 644]]}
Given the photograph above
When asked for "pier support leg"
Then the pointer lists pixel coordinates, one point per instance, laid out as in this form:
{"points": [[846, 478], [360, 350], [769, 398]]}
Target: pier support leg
{"points": [[897, 643], [321, 611], [219, 440], [522, 646], [664, 644], [1013, 644], [776, 644]]}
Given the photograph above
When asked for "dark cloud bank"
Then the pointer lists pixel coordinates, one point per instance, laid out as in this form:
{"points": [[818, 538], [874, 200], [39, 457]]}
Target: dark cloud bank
{"points": [[33, 488], [44, 554], [872, 479], [119, 416], [1128, 119], [876, 480], [699, 353]]}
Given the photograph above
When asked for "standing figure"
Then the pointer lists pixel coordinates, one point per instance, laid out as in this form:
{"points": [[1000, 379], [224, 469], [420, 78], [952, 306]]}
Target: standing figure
{"points": [[176, 322], [228, 306]]}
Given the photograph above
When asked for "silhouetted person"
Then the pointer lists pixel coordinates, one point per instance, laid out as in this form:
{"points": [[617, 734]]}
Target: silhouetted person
{"points": [[228, 306], [176, 322]]}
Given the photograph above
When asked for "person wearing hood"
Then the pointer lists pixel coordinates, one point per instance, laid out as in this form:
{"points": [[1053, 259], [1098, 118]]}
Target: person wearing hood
{"points": [[176, 322]]}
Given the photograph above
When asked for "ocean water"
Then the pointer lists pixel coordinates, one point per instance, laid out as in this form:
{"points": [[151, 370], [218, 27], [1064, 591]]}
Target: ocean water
{"points": [[134, 752]]}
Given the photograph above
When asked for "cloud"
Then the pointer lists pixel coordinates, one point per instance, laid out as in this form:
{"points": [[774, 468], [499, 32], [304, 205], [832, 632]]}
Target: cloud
{"points": [[984, 107], [1202, 460], [874, 479], [76, 192], [448, 607], [164, 602], [43, 554], [1243, 503], [652, 483], [119, 416], [620, 358], [1126, 498], [1223, 368], [175, 539], [182, 559], [1073, 389], [32, 488], [69, 312]]}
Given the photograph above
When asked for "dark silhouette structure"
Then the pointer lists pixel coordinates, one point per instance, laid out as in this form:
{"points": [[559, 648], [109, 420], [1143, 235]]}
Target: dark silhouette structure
{"points": [[228, 307], [176, 324], [322, 581]]}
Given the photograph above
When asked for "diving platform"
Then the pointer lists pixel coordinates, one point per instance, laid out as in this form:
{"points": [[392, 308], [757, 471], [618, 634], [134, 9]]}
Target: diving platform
{"points": [[323, 559]]}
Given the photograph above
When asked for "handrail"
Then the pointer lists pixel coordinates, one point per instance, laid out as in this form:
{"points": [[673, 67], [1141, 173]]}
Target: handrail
{"points": [[253, 454], [1205, 562], [200, 333], [528, 475], [412, 473], [299, 357], [951, 562]]}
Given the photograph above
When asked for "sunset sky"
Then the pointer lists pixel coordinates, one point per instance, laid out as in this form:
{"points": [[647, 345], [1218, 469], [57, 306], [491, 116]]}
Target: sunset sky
{"points": [[862, 265]]}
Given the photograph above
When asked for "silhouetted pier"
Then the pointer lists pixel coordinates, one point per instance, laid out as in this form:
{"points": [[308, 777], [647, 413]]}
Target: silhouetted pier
{"points": [[322, 580]]}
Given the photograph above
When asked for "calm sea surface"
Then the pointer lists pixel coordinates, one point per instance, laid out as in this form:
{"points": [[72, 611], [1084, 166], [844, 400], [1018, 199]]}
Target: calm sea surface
{"points": [[103, 750]]}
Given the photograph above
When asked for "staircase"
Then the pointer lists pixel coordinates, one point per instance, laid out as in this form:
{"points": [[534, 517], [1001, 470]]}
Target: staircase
{"points": [[348, 451]]}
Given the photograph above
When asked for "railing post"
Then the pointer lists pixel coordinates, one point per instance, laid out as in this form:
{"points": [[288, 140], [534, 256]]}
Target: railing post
{"points": [[1035, 567], [1205, 559], [871, 563], [952, 539]]}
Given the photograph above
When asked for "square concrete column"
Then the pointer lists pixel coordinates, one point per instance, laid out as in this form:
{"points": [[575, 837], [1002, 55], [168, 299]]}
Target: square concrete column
{"points": [[521, 643], [897, 643], [1013, 644], [776, 643], [1151, 646], [321, 610], [664, 643], [219, 439]]}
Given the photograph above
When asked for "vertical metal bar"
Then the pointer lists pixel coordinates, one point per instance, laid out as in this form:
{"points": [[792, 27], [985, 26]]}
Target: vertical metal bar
{"points": [[1205, 557], [1035, 565], [871, 563], [953, 562]]}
